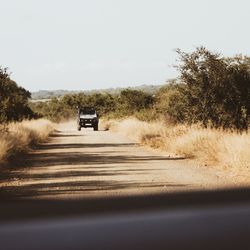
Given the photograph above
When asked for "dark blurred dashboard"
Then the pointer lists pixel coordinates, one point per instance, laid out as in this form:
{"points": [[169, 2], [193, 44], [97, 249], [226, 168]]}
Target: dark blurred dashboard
{"points": [[202, 220]]}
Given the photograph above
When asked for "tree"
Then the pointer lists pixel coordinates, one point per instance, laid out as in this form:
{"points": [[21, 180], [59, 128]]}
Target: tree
{"points": [[217, 89], [13, 99], [135, 100], [171, 102]]}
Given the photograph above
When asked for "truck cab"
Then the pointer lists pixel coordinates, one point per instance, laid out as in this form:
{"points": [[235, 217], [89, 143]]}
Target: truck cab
{"points": [[87, 118]]}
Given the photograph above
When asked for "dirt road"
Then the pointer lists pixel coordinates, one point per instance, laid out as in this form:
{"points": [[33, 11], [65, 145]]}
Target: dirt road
{"points": [[101, 163]]}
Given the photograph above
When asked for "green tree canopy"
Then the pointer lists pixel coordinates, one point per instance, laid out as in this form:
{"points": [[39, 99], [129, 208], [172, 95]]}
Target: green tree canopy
{"points": [[217, 89], [13, 99]]}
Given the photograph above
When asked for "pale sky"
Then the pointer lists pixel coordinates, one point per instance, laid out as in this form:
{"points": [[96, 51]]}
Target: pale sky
{"points": [[89, 44]]}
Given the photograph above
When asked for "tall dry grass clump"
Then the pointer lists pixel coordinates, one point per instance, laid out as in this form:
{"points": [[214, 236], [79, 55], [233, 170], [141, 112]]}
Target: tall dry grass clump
{"points": [[212, 147], [20, 137]]}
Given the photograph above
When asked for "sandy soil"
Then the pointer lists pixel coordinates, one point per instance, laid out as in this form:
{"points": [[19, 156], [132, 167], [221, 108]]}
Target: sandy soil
{"points": [[101, 163]]}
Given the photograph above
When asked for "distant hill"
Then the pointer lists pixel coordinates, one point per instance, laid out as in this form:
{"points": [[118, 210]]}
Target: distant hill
{"points": [[48, 94]]}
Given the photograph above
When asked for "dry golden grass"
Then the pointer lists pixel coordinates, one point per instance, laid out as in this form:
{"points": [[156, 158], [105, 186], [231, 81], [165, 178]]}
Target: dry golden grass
{"points": [[217, 148], [21, 136]]}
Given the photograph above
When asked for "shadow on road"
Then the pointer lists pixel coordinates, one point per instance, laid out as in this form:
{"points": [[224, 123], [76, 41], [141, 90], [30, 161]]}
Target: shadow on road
{"points": [[76, 187], [52, 171], [65, 135], [85, 145]]}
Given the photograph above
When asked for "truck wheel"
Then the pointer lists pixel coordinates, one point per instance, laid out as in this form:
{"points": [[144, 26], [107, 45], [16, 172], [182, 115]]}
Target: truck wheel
{"points": [[79, 128], [96, 127]]}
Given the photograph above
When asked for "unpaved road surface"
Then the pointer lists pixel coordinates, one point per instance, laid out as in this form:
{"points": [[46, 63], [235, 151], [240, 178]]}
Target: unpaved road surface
{"points": [[101, 163]]}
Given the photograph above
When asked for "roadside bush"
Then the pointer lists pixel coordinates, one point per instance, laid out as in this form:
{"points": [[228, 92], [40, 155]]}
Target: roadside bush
{"points": [[128, 103], [13, 100], [171, 103], [21, 136], [217, 89]]}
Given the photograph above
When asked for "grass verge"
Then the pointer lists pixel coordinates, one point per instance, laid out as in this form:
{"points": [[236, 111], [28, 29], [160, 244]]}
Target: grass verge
{"points": [[20, 137], [224, 149]]}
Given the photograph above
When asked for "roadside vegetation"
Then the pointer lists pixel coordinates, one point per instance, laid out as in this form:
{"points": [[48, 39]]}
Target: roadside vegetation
{"points": [[20, 137], [18, 133], [223, 149], [211, 90], [13, 100]]}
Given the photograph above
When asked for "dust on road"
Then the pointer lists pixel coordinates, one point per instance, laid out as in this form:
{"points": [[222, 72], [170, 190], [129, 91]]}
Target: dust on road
{"points": [[101, 163]]}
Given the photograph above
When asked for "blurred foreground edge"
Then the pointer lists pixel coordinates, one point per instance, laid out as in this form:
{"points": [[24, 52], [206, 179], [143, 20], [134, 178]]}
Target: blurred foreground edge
{"points": [[195, 220]]}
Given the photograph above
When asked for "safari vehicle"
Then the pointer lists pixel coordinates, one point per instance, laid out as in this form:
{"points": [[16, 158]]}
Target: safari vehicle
{"points": [[87, 118]]}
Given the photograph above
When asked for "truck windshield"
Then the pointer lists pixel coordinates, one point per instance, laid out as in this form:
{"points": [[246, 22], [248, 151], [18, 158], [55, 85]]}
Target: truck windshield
{"points": [[87, 111]]}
